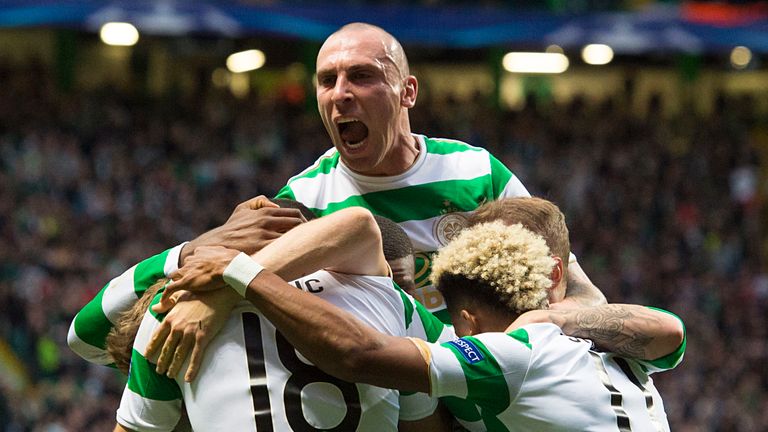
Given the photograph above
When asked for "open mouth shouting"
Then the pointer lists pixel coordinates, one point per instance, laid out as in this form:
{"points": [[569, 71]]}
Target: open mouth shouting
{"points": [[352, 131]]}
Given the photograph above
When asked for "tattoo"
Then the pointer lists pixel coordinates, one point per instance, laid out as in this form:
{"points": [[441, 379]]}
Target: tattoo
{"points": [[611, 327]]}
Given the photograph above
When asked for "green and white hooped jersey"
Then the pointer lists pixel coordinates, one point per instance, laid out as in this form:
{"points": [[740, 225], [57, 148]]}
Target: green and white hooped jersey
{"points": [[537, 379], [252, 379], [430, 201], [88, 331]]}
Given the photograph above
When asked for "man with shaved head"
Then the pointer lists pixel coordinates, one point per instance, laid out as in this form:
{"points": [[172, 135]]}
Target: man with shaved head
{"points": [[428, 185]]}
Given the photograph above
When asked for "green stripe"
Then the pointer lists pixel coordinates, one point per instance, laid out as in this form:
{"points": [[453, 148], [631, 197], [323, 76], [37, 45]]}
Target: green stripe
{"points": [[325, 165], [91, 325], [433, 325], [445, 146], [672, 359], [485, 379], [286, 193], [144, 381], [522, 336], [420, 202], [443, 316], [407, 305], [486, 385], [148, 272], [500, 176]]}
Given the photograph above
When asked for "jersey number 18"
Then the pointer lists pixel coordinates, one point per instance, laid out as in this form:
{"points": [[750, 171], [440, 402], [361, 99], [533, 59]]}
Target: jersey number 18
{"points": [[301, 375]]}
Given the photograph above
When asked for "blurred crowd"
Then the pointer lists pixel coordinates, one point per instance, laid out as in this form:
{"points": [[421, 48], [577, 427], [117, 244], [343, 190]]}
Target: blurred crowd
{"points": [[664, 210]]}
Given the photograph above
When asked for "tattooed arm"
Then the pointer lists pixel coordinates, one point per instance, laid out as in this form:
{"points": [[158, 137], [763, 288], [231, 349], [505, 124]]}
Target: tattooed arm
{"points": [[628, 330]]}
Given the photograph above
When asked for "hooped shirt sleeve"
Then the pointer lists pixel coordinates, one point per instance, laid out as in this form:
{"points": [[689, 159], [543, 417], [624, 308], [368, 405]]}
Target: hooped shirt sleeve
{"points": [[487, 368], [671, 360], [88, 331]]}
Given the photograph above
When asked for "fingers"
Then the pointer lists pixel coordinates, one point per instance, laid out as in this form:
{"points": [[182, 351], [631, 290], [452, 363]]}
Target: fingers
{"points": [[201, 342], [256, 203], [158, 337], [165, 304], [281, 220], [167, 299], [182, 350], [168, 350]]}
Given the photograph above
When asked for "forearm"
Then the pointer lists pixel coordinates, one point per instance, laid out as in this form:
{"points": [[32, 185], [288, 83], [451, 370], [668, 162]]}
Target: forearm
{"points": [[628, 330], [336, 341], [328, 336], [88, 331], [580, 290], [347, 241]]}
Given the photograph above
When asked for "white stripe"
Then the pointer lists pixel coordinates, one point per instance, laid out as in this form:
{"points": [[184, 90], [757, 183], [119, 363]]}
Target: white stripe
{"points": [[512, 356], [141, 414], [328, 154], [148, 325], [119, 296], [417, 406], [336, 186], [475, 426], [448, 334], [85, 350], [422, 232], [446, 374], [514, 188], [172, 260]]}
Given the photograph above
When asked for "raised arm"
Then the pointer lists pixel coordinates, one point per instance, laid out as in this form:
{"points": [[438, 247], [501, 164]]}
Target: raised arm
{"points": [[348, 241], [331, 338], [88, 331], [337, 342], [355, 248], [249, 227], [628, 330]]}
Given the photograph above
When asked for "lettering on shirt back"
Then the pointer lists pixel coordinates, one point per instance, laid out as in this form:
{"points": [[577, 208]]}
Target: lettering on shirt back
{"points": [[309, 285]]}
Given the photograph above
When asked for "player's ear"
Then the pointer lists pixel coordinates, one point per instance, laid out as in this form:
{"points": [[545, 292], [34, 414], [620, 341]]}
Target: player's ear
{"points": [[471, 322], [556, 291], [557, 271], [409, 92]]}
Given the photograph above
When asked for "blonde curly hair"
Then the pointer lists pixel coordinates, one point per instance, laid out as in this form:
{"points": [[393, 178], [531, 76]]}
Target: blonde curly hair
{"points": [[510, 260]]}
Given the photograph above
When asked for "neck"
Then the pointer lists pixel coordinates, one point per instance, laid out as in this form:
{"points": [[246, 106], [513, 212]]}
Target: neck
{"points": [[406, 150], [491, 320], [401, 157]]}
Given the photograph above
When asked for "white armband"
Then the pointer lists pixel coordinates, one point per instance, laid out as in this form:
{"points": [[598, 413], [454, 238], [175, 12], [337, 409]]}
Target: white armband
{"points": [[240, 272]]}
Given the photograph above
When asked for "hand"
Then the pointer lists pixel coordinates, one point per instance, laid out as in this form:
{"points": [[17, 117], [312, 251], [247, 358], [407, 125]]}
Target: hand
{"points": [[191, 325], [203, 271], [253, 224]]}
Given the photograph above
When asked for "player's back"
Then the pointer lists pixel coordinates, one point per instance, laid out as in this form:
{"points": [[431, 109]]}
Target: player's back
{"points": [[252, 379], [536, 378]]}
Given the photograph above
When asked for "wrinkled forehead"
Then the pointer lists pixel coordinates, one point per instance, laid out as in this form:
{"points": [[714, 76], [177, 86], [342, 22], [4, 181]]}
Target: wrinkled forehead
{"points": [[350, 47]]}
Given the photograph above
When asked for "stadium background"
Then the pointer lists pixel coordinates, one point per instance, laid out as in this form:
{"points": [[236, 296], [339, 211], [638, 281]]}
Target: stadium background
{"points": [[659, 158]]}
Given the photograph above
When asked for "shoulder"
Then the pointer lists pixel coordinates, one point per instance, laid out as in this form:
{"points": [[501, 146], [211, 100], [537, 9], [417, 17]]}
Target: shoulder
{"points": [[449, 146], [325, 164], [351, 281]]}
